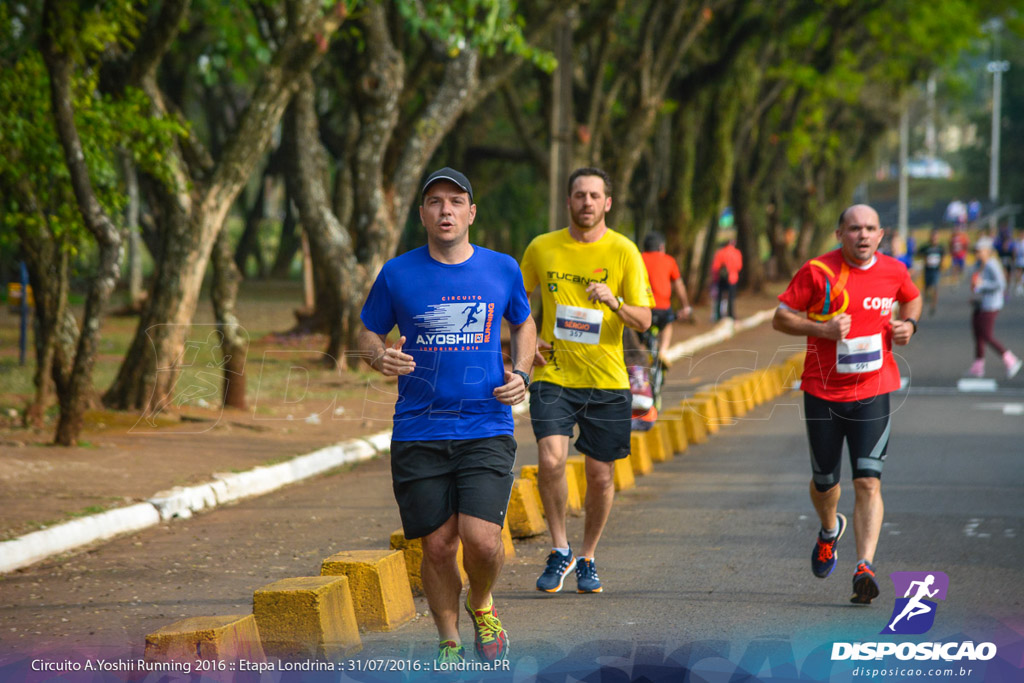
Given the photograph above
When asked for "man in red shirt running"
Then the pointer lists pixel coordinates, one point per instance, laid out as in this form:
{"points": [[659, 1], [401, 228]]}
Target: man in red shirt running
{"points": [[842, 302], [663, 274], [726, 266]]}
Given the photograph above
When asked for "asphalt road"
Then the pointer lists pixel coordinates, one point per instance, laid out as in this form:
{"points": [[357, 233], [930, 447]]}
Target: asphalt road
{"points": [[705, 563]]}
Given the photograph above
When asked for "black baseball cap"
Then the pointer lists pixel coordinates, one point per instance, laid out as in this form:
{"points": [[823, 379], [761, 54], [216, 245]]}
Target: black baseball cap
{"points": [[451, 175]]}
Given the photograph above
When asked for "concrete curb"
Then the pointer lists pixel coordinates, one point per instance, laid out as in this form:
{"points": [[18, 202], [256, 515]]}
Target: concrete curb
{"points": [[182, 502], [39, 545], [725, 329]]}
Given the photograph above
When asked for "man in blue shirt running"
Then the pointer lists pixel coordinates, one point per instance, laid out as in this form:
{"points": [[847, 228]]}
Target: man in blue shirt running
{"points": [[452, 448]]}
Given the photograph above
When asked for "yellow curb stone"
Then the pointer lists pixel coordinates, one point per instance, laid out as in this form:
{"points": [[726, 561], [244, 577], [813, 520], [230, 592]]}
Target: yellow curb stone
{"points": [[706, 406], [523, 517], [506, 541], [223, 638], [579, 464], [623, 474], [307, 617], [412, 551], [573, 501], [640, 458], [676, 430], [696, 426], [379, 584], [735, 395]]}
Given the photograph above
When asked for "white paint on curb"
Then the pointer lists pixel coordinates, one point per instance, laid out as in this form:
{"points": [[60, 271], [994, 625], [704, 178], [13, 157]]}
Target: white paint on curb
{"points": [[725, 329], [39, 545], [181, 502]]}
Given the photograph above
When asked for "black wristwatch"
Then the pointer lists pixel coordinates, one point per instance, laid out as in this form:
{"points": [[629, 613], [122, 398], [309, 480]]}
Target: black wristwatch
{"points": [[912, 322], [525, 376]]}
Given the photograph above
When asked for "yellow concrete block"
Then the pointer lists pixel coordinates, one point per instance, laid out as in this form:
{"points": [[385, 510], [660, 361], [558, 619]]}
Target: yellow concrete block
{"points": [[648, 448], [579, 465], [720, 400], [640, 458], [675, 429], [746, 386], [523, 517], [696, 426], [706, 406], [638, 446], [224, 638], [506, 542], [666, 440], [573, 501], [412, 551], [379, 585], [623, 475], [736, 396], [760, 380], [307, 617]]}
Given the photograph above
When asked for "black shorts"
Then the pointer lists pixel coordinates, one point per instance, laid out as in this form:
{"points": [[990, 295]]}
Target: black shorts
{"points": [[433, 480], [863, 425], [662, 317], [603, 415], [931, 277]]}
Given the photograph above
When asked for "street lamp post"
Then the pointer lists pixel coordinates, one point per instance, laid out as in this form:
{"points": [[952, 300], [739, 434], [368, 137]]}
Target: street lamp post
{"points": [[996, 68]]}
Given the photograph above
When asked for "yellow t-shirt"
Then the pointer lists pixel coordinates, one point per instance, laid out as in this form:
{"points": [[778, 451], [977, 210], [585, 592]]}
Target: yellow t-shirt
{"points": [[586, 336]]}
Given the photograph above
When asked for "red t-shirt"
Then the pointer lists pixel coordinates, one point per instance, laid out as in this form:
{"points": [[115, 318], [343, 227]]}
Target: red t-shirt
{"points": [[861, 365], [662, 271]]}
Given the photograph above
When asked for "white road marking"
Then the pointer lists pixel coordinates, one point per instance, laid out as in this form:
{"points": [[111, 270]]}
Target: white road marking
{"points": [[976, 384]]}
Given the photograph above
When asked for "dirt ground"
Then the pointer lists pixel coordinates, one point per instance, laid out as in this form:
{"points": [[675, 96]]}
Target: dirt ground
{"points": [[124, 459]]}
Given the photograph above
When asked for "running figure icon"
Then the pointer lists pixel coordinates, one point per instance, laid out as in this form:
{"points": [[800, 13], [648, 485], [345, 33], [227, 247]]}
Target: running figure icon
{"points": [[915, 606], [471, 312]]}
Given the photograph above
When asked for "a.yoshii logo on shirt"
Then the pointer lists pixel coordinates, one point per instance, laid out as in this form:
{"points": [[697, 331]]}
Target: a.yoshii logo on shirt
{"points": [[456, 323]]}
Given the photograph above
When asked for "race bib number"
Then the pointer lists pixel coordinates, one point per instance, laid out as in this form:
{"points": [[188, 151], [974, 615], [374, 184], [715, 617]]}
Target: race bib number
{"points": [[933, 260], [581, 325], [860, 354]]}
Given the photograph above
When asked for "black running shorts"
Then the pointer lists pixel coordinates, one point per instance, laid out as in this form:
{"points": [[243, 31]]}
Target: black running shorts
{"points": [[863, 425], [662, 317], [433, 480], [603, 415]]}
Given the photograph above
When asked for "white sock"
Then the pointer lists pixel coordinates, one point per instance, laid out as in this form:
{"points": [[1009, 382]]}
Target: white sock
{"points": [[561, 551], [827, 534]]}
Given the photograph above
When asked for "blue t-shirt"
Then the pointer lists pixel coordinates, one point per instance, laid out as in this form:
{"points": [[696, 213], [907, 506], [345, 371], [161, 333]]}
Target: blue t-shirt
{"points": [[450, 316]]}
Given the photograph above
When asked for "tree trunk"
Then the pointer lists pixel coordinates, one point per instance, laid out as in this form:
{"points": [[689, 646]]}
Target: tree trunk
{"points": [[233, 340], [249, 242], [108, 238], [289, 242], [340, 279], [131, 180], [150, 371], [747, 234], [56, 330]]}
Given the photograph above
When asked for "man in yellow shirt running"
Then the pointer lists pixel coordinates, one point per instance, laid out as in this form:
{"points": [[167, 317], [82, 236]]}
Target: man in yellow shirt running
{"points": [[593, 282]]}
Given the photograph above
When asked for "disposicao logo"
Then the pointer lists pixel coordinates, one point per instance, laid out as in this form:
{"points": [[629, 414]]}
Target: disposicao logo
{"points": [[914, 614]]}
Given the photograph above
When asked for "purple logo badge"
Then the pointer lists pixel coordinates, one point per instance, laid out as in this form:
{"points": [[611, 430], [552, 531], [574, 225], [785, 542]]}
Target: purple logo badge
{"points": [[914, 613]]}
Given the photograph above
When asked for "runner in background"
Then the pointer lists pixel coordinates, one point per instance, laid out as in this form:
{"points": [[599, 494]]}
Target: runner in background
{"points": [[663, 274], [958, 245], [932, 253], [725, 270]]}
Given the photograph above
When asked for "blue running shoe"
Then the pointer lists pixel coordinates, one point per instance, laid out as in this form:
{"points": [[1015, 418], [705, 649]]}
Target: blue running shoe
{"points": [[557, 569], [586, 576], [865, 588], [823, 557]]}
